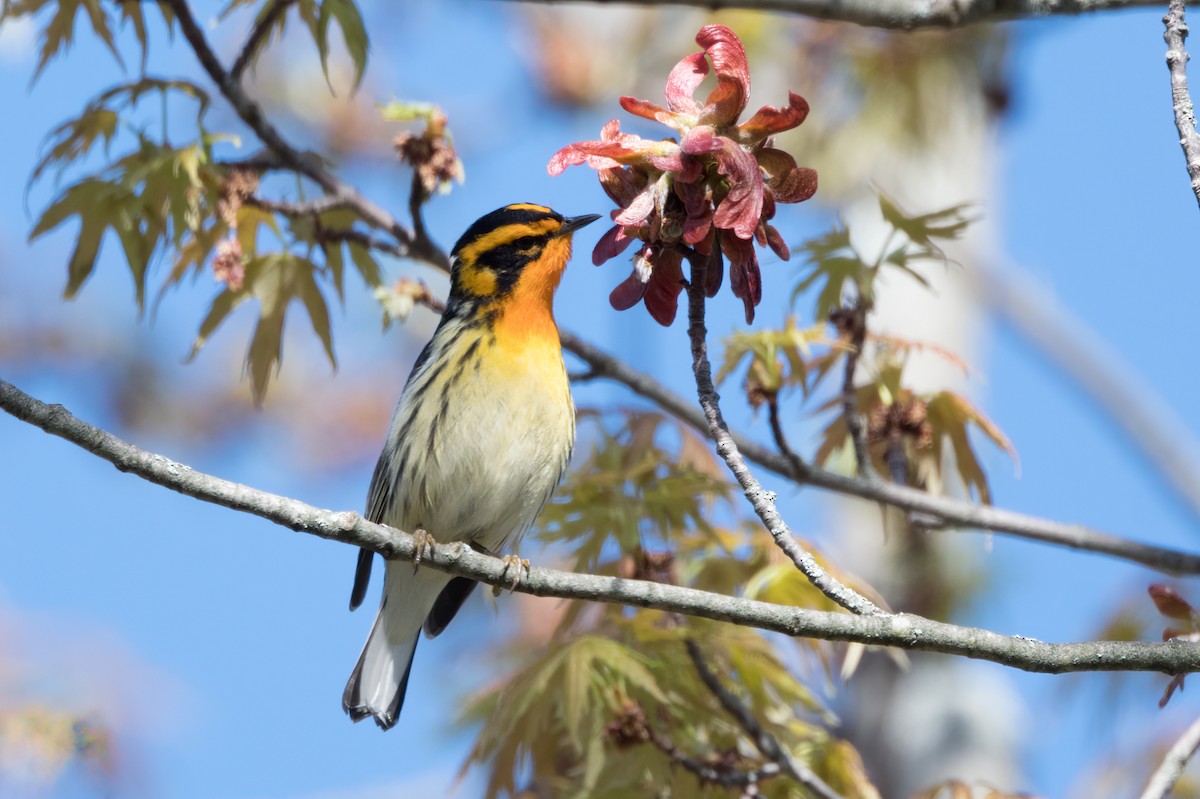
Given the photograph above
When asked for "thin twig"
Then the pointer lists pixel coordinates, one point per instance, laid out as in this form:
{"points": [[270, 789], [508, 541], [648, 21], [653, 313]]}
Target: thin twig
{"points": [[932, 512], [884, 629], [949, 513], [267, 19], [763, 501], [780, 438], [765, 742], [855, 329], [709, 773], [320, 205], [417, 247], [1181, 100], [908, 14], [1171, 769]]}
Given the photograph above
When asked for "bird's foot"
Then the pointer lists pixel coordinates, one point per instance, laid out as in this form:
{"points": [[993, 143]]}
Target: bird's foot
{"points": [[513, 564], [424, 543]]}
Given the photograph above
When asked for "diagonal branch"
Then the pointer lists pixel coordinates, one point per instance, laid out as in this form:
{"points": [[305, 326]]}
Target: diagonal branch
{"points": [[883, 629], [415, 246], [267, 19], [945, 511], [766, 743], [908, 14], [1171, 769], [853, 323], [1181, 100], [762, 500]]}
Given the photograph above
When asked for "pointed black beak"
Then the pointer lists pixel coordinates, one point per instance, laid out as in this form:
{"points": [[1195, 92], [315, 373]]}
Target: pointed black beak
{"points": [[573, 223]]}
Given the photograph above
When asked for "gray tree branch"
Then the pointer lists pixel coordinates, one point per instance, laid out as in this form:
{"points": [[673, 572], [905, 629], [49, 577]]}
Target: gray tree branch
{"points": [[417, 245], [903, 14], [1181, 100], [1171, 769], [946, 512], [766, 743], [901, 630], [762, 500]]}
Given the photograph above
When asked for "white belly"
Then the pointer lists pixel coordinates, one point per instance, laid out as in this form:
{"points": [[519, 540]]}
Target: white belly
{"points": [[500, 442]]}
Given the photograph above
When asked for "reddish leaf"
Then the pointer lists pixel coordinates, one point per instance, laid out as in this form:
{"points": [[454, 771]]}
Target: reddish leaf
{"points": [[770, 120], [611, 244], [683, 81], [628, 293], [1170, 603], [727, 101]]}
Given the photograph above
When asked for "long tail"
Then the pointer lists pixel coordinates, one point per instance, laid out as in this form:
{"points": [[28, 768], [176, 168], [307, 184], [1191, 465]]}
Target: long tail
{"points": [[377, 685]]}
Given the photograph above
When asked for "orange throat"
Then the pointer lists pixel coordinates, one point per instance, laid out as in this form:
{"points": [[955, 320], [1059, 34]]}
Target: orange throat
{"points": [[529, 310]]}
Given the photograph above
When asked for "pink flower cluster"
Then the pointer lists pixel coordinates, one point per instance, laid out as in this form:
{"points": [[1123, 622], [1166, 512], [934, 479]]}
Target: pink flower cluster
{"points": [[716, 186]]}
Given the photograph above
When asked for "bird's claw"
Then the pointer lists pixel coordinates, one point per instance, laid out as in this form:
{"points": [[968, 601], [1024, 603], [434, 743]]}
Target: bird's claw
{"points": [[423, 543], [516, 564]]}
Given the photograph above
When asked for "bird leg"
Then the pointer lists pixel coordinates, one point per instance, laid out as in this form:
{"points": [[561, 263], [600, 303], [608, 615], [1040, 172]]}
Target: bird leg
{"points": [[424, 543], [516, 563]]}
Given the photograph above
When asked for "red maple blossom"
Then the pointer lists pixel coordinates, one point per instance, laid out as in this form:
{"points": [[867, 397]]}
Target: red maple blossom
{"points": [[716, 186]]}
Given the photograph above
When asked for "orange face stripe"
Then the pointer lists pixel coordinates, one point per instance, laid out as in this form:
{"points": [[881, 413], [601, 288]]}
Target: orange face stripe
{"points": [[505, 234]]}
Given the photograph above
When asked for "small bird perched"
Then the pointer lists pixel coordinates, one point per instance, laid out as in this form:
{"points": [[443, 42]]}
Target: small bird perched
{"points": [[479, 439]]}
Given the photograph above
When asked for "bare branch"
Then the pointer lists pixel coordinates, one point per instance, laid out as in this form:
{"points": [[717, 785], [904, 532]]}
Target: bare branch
{"points": [[883, 629], [416, 247], [1181, 100], [947, 513], [320, 205], [762, 500], [269, 17], [1148, 422], [632, 727], [763, 740], [1171, 769], [780, 438], [906, 14], [853, 322]]}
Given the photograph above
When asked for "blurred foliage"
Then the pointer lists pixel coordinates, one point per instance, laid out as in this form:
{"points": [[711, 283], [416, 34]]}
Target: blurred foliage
{"points": [[957, 789], [167, 197], [39, 745], [906, 428], [580, 714]]}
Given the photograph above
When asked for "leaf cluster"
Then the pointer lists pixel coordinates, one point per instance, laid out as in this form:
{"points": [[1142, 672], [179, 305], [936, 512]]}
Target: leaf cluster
{"points": [[905, 427], [317, 17], [642, 504], [923, 424], [836, 270], [162, 199]]}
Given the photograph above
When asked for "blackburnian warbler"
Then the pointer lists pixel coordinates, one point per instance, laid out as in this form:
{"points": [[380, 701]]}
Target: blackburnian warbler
{"points": [[479, 439]]}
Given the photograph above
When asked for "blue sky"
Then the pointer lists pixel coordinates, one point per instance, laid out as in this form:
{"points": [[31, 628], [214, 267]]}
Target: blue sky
{"points": [[220, 644]]}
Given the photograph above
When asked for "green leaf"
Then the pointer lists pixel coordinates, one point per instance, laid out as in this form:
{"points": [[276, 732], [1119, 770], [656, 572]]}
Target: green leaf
{"points": [[275, 280], [318, 311], [365, 263], [58, 34], [949, 414], [354, 34], [98, 204], [945, 224], [75, 138], [220, 309], [778, 358]]}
